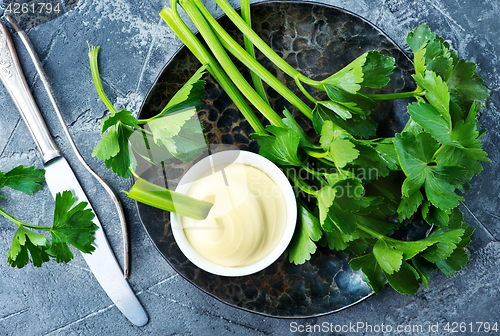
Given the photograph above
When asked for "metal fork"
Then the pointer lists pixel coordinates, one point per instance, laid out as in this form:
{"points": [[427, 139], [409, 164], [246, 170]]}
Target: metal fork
{"points": [[38, 65]]}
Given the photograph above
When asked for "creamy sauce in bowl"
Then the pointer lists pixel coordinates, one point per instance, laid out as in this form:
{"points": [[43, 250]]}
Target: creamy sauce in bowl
{"points": [[247, 220], [253, 218]]}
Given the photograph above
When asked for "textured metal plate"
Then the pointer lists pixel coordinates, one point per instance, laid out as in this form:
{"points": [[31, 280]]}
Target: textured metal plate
{"points": [[317, 40]]}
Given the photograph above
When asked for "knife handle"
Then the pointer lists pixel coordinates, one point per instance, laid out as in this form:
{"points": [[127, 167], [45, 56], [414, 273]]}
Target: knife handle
{"points": [[13, 78]]}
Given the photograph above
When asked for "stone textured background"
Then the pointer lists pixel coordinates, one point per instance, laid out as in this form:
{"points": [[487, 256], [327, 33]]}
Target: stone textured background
{"points": [[65, 299]]}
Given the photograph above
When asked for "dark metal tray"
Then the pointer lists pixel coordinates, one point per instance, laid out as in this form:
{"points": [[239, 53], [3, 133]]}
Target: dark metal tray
{"points": [[317, 40]]}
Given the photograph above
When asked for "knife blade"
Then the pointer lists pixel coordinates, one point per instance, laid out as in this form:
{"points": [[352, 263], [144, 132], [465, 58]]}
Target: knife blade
{"points": [[59, 177]]}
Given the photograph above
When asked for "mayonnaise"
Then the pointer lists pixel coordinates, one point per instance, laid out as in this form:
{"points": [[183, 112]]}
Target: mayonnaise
{"points": [[247, 220]]}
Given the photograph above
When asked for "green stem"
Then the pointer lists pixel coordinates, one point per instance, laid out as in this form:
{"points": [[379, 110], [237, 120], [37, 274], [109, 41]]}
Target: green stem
{"points": [[313, 172], [94, 68], [257, 82], [255, 67], [315, 154], [21, 223], [304, 91], [226, 63], [260, 44], [394, 96], [172, 18], [371, 232], [438, 151], [165, 199], [300, 183]]}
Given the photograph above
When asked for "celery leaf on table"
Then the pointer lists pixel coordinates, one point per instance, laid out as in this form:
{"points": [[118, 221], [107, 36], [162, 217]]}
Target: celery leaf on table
{"points": [[123, 129], [71, 225], [23, 179], [27, 243]]}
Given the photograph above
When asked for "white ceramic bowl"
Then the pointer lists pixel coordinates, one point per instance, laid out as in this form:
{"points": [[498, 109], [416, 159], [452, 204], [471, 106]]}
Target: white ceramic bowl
{"points": [[254, 160]]}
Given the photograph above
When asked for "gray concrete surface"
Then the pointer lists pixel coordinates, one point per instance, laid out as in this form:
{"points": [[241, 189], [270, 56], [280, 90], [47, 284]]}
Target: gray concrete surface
{"points": [[65, 299]]}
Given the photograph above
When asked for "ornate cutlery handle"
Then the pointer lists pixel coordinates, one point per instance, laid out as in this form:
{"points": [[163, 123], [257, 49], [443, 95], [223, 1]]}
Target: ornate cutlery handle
{"points": [[13, 78]]}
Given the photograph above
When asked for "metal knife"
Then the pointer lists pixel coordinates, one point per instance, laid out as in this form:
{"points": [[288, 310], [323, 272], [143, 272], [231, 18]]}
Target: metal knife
{"points": [[60, 177]]}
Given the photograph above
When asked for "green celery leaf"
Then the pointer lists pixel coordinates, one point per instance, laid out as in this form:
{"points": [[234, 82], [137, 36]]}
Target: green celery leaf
{"points": [[387, 153], [356, 247], [466, 133], [168, 126], [439, 191], [370, 162], [27, 241], [181, 133], [299, 131], [388, 256], [376, 69], [455, 260], [307, 232], [357, 126], [376, 221], [337, 206], [189, 95], [145, 146], [412, 248], [72, 225], [108, 146], [371, 271], [325, 197], [344, 111], [419, 36], [424, 269], [331, 131], [431, 52], [446, 244], [280, 148], [350, 77], [61, 252], [436, 92], [432, 121], [459, 257], [412, 127], [23, 179], [465, 85], [405, 280], [409, 205], [190, 143], [433, 215], [341, 152], [122, 116], [356, 103], [415, 154], [121, 161], [419, 59], [335, 239]]}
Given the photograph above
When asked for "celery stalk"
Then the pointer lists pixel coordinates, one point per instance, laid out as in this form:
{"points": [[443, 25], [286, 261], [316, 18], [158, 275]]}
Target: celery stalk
{"points": [[226, 63], [168, 200], [173, 20], [230, 44], [257, 82]]}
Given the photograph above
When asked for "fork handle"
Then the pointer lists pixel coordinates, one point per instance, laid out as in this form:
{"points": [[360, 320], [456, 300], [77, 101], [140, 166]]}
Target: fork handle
{"points": [[13, 78]]}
